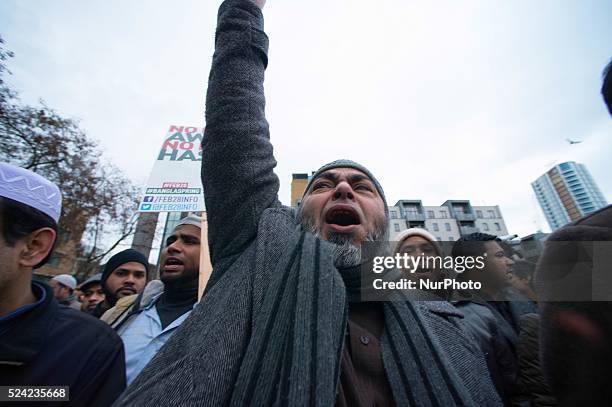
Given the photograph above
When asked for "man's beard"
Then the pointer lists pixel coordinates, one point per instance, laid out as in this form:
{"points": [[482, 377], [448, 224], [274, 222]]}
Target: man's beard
{"points": [[345, 251], [109, 296]]}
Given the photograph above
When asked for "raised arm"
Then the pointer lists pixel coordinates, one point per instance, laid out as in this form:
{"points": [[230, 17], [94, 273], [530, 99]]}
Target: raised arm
{"points": [[237, 160]]}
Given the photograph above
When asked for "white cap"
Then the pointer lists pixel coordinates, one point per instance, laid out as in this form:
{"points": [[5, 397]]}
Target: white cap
{"points": [[66, 279], [192, 220], [405, 234], [30, 189]]}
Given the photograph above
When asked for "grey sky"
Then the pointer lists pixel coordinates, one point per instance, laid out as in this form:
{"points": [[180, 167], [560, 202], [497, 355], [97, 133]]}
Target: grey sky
{"points": [[441, 100]]}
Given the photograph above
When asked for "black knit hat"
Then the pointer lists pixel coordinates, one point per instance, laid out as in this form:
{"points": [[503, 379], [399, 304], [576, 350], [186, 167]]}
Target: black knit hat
{"points": [[123, 257]]}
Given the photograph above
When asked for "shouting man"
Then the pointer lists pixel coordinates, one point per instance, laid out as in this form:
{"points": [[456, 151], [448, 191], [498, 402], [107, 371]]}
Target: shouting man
{"points": [[146, 322], [281, 322]]}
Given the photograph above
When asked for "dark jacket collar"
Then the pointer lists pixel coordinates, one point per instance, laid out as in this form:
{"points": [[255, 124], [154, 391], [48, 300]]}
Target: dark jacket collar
{"points": [[25, 334]]}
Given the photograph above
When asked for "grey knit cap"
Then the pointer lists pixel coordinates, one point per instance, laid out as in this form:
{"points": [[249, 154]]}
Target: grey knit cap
{"points": [[343, 163]]}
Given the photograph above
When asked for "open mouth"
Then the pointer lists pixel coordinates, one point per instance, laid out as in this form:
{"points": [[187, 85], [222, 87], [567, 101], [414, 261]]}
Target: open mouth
{"points": [[342, 216], [173, 264]]}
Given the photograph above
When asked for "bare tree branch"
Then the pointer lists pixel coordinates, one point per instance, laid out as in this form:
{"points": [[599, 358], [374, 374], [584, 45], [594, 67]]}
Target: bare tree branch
{"points": [[98, 201]]}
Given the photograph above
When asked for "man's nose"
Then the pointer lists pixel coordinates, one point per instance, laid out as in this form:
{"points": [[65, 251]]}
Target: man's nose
{"points": [[130, 279], [343, 191], [174, 247]]}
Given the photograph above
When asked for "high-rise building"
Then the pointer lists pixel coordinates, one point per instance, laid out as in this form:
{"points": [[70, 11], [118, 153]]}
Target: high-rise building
{"points": [[566, 193], [447, 222]]}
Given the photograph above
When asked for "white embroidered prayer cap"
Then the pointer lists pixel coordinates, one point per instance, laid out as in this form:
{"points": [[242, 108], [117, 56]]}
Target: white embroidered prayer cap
{"points": [[30, 189]]}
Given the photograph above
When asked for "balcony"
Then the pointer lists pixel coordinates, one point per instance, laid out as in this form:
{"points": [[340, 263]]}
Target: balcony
{"points": [[414, 216], [466, 230], [461, 216]]}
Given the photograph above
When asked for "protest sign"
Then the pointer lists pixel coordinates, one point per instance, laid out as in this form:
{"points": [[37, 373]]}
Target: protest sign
{"points": [[174, 184]]}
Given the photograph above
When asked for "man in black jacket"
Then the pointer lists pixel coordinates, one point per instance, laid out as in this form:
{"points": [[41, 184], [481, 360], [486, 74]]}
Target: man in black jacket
{"points": [[41, 342], [492, 312]]}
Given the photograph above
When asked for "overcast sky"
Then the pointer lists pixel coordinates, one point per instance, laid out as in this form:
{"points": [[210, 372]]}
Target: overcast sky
{"points": [[441, 100]]}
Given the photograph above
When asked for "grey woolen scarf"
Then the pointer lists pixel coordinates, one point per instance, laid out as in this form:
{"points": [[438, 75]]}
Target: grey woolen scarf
{"points": [[295, 357]]}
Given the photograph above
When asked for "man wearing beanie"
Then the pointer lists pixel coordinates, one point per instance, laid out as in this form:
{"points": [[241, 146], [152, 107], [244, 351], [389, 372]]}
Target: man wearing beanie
{"points": [[124, 274], [146, 322], [41, 342], [281, 321]]}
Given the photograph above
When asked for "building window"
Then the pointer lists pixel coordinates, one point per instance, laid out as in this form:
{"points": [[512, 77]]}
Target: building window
{"points": [[479, 214], [485, 227], [450, 238], [393, 215], [497, 227], [435, 227], [396, 226], [430, 214], [491, 214], [439, 238], [412, 210], [443, 214], [447, 226]]}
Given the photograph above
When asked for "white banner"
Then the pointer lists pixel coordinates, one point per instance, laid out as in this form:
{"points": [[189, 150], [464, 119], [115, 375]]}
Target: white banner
{"points": [[174, 184]]}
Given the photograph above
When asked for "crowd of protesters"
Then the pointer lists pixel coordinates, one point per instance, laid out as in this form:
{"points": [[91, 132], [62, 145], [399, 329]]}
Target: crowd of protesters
{"points": [[283, 320]]}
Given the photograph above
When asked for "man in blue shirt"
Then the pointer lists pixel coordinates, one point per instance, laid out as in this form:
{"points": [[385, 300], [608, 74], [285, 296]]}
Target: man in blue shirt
{"points": [[145, 322]]}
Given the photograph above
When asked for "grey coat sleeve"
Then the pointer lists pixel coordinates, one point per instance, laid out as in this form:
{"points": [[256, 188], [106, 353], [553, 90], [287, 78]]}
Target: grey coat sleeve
{"points": [[237, 160]]}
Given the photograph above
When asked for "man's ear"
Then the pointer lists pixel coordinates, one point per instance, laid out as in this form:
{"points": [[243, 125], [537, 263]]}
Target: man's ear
{"points": [[37, 246]]}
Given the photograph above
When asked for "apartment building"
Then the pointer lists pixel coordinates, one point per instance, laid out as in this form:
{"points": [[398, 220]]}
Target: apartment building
{"points": [[447, 222]]}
